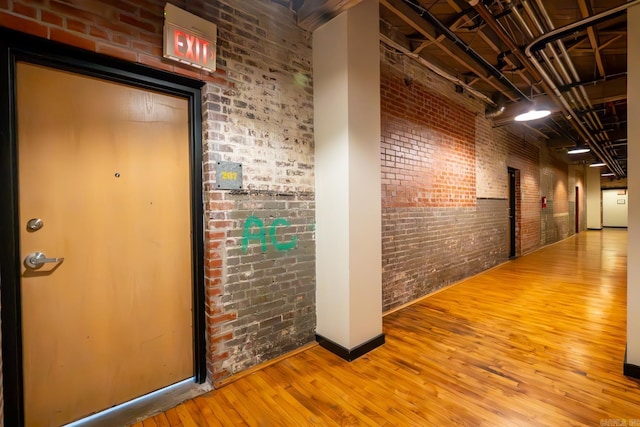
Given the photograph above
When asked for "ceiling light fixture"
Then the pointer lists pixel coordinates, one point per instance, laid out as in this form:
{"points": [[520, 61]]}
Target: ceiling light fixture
{"points": [[607, 174], [597, 165], [532, 115], [579, 150]]}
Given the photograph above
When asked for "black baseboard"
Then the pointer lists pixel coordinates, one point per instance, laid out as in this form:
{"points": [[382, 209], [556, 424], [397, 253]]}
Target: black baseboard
{"points": [[630, 370], [354, 353]]}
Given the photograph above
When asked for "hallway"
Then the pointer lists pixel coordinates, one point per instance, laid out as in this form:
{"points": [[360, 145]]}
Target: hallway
{"points": [[539, 340]]}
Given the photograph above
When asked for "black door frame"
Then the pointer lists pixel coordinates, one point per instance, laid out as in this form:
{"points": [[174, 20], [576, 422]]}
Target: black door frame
{"points": [[15, 46], [512, 212]]}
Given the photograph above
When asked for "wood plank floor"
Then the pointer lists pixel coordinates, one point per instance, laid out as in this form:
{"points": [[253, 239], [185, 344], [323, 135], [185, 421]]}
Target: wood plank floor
{"points": [[536, 341]]}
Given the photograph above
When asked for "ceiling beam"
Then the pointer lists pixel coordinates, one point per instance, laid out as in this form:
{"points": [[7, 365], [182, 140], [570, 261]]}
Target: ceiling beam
{"points": [[586, 12], [409, 16], [493, 44]]}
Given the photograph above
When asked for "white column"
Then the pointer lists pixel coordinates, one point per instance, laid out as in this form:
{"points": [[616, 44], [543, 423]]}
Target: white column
{"points": [[346, 81], [633, 182], [594, 199]]}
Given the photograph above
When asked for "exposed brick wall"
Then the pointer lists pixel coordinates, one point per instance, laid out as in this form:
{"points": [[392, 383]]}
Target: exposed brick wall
{"points": [[431, 241], [491, 161], [130, 30], [556, 224], [425, 162], [424, 249], [435, 229], [257, 110], [524, 156], [261, 299], [260, 304]]}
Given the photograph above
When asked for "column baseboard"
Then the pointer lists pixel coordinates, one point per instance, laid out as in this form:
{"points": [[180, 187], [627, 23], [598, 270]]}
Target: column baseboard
{"points": [[354, 353], [630, 370]]}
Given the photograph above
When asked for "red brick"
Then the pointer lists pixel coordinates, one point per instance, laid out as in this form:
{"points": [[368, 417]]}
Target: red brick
{"points": [[69, 11], [144, 25], [152, 61], [63, 36], [24, 25], [99, 33], [152, 14], [123, 6], [117, 52], [119, 38], [51, 18], [77, 26], [24, 10], [224, 318], [188, 71], [208, 77], [140, 47], [153, 39]]}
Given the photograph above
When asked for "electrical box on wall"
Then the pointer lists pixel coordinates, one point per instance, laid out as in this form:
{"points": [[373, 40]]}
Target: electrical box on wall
{"points": [[189, 39]]}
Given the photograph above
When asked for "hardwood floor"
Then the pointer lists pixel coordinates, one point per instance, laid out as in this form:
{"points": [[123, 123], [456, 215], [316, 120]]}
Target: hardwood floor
{"points": [[536, 341]]}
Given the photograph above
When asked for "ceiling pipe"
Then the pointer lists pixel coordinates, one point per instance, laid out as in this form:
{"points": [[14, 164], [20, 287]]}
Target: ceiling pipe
{"points": [[565, 76], [495, 26], [429, 17], [576, 77], [397, 46], [562, 78], [540, 42], [535, 68], [564, 31], [583, 83]]}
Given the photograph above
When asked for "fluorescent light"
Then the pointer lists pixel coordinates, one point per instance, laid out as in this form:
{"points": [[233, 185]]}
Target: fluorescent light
{"points": [[532, 115], [597, 165], [607, 174], [579, 150]]}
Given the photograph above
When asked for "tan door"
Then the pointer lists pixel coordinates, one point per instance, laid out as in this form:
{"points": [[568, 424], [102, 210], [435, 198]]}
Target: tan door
{"points": [[105, 167]]}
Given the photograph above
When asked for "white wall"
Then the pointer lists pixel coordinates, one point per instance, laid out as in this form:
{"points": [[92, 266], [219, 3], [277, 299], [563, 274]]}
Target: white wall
{"points": [[614, 208], [594, 208], [633, 184]]}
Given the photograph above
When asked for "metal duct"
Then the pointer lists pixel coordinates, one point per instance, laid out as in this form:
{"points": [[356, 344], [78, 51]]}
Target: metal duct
{"points": [[498, 108], [429, 17], [540, 42]]}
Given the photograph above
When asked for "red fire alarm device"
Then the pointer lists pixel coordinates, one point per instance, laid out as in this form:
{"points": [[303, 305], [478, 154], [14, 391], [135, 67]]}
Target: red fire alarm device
{"points": [[544, 202]]}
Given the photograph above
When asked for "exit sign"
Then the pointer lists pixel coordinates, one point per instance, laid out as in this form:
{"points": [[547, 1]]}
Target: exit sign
{"points": [[189, 39]]}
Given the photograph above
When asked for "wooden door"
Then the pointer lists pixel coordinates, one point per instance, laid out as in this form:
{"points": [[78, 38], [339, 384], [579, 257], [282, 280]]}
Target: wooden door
{"points": [[105, 167]]}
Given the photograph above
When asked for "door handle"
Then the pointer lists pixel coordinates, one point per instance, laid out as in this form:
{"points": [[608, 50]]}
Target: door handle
{"points": [[37, 259]]}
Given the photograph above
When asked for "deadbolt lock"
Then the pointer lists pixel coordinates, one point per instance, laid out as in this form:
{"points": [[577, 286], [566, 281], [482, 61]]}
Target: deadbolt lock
{"points": [[34, 224]]}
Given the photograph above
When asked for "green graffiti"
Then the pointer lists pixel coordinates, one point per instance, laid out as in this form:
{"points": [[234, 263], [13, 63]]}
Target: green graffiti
{"points": [[255, 229], [247, 234], [284, 246]]}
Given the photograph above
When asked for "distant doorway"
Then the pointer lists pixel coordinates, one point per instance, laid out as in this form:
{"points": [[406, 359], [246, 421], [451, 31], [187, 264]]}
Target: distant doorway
{"points": [[511, 229]]}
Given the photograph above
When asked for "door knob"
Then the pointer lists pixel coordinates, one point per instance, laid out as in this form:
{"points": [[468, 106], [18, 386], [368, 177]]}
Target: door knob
{"points": [[36, 259]]}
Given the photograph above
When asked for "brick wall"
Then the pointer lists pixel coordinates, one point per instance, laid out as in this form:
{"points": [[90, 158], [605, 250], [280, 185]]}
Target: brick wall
{"points": [[257, 110], [556, 221], [436, 230], [260, 303], [263, 303], [440, 226], [524, 156]]}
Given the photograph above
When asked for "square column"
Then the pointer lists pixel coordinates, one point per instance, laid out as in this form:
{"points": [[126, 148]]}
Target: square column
{"points": [[632, 362], [346, 81], [594, 199]]}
